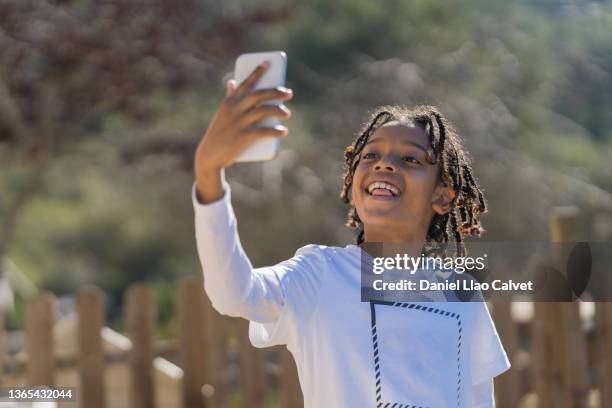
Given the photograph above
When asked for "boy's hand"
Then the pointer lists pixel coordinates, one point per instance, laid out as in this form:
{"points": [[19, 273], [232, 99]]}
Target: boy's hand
{"points": [[232, 129]]}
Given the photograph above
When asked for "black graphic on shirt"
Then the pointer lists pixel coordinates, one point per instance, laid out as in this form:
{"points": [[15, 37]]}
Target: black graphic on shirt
{"points": [[381, 401]]}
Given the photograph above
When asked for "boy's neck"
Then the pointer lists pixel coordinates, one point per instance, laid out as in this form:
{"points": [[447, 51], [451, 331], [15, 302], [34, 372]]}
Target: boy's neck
{"points": [[411, 249], [388, 236], [394, 243]]}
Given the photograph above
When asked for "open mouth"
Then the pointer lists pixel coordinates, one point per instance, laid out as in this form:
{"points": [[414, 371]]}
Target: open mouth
{"points": [[382, 189]]}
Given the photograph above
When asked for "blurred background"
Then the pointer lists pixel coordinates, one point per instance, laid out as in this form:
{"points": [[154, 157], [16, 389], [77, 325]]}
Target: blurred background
{"points": [[102, 104]]}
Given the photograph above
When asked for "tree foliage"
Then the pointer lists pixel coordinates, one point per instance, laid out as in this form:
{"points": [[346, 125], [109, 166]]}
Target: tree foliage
{"points": [[103, 103]]}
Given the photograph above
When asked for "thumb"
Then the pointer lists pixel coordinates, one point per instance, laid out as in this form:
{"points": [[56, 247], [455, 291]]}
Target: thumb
{"points": [[230, 87]]}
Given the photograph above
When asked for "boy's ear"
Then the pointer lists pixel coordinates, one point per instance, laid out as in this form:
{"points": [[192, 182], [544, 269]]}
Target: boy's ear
{"points": [[442, 199]]}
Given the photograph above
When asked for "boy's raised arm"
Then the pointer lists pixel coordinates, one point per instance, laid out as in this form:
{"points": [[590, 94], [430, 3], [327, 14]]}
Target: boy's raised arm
{"points": [[230, 282]]}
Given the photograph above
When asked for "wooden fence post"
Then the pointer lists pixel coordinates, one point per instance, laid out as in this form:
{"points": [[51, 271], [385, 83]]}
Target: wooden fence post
{"points": [[91, 320], [546, 386], [602, 231], [292, 393], [507, 385], [2, 347], [568, 328], [192, 340], [141, 327], [252, 377], [216, 358], [604, 323], [39, 323]]}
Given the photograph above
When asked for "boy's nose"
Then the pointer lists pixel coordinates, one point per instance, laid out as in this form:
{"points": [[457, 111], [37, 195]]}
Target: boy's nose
{"points": [[384, 165]]}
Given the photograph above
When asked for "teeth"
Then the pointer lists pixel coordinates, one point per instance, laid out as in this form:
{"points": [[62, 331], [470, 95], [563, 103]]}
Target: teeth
{"points": [[380, 184]]}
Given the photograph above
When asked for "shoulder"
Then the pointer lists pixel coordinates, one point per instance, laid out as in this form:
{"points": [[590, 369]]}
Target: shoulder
{"points": [[324, 253], [312, 250], [313, 256]]}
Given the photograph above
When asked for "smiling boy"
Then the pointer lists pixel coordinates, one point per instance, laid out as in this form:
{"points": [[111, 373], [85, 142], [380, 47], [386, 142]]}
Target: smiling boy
{"points": [[395, 187], [407, 179]]}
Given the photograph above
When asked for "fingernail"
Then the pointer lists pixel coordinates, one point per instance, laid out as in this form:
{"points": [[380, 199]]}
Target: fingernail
{"points": [[265, 64]]}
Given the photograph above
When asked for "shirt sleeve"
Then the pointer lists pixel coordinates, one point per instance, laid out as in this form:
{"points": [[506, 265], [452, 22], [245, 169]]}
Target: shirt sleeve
{"points": [[274, 298], [230, 282], [483, 395], [300, 280], [488, 357]]}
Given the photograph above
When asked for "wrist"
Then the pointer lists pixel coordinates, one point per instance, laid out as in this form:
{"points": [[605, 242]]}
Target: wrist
{"points": [[208, 171], [209, 185]]}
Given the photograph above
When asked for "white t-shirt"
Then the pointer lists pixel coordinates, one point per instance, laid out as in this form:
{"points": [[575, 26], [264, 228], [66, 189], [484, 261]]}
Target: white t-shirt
{"points": [[349, 353]]}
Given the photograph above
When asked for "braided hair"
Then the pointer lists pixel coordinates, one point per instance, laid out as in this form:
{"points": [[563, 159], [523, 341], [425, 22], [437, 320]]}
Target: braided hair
{"points": [[455, 171]]}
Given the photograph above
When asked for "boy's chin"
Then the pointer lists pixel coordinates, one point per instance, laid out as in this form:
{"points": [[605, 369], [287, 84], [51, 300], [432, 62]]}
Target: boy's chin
{"points": [[383, 216]]}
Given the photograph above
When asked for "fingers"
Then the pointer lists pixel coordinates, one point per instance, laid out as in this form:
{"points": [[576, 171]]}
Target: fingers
{"points": [[264, 111], [255, 98], [247, 85], [230, 87]]}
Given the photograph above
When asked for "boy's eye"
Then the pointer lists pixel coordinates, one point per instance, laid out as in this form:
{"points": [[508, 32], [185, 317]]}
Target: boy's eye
{"points": [[411, 159], [369, 155]]}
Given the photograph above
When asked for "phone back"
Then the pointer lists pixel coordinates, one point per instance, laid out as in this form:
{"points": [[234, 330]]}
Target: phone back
{"points": [[265, 148]]}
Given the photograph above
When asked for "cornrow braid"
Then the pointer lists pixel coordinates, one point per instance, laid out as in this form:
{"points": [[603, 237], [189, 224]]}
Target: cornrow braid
{"points": [[455, 170]]}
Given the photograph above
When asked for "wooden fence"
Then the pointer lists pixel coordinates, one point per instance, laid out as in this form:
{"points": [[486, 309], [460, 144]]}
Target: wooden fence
{"points": [[205, 344], [564, 363], [557, 362]]}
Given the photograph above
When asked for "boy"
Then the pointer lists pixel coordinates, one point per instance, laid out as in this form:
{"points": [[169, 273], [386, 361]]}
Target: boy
{"points": [[404, 181]]}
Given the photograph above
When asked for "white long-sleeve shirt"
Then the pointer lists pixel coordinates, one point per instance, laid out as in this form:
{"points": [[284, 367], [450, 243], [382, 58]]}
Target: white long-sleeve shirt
{"points": [[349, 353]]}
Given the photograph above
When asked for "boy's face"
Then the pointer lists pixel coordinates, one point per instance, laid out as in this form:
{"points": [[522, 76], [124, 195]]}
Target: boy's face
{"points": [[396, 191]]}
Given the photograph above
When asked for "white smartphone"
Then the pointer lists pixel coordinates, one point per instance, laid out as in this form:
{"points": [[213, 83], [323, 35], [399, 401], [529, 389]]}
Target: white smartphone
{"points": [[265, 148]]}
